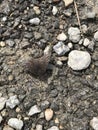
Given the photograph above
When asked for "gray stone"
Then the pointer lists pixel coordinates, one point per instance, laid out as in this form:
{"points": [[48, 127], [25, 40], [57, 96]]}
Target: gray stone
{"points": [[90, 15], [34, 21], [37, 35], [74, 34], [2, 102], [60, 48], [94, 123], [79, 60], [96, 36], [34, 110], [53, 128], [12, 102], [6, 127], [15, 123], [11, 43]]}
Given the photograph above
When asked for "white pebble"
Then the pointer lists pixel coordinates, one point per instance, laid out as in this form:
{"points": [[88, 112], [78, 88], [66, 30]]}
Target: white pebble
{"points": [[86, 42], [53, 128], [39, 127], [74, 34], [2, 102], [15, 123], [68, 2], [34, 21], [79, 60], [54, 10], [12, 101], [70, 45], [48, 114], [94, 123], [34, 110], [61, 37], [96, 36]]}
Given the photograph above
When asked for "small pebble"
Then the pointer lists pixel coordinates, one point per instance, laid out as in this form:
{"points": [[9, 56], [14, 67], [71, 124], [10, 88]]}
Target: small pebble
{"points": [[6, 127], [68, 2], [39, 127], [37, 10], [60, 48], [34, 21], [2, 44], [48, 114], [94, 123], [10, 77], [96, 36], [2, 102], [86, 42], [84, 28], [4, 19], [61, 37], [70, 45], [15, 123], [74, 34], [83, 59], [53, 128], [34, 110], [11, 43], [90, 15], [1, 118], [12, 102], [54, 10]]}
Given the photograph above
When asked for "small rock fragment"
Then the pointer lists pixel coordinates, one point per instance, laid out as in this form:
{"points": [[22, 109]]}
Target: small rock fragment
{"points": [[39, 127], [12, 102], [6, 127], [11, 43], [53, 128], [2, 102], [79, 60], [2, 44], [68, 2], [1, 118], [15, 123], [60, 48], [54, 10], [90, 15], [37, 10], [34, 21], [61, 37], [86, 42], [34, 110], [94, 123], [70, 45], [96, 36], [48, 114], [37, 35], [74, 34]]}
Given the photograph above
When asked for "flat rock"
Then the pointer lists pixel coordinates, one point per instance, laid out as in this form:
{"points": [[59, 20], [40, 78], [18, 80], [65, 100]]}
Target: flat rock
{"points": [[34, 110], [79, 60], [15, 123], [74, 34]]}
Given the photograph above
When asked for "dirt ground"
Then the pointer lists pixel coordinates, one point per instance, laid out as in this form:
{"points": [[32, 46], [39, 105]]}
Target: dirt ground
{"points": [[72, 95]]}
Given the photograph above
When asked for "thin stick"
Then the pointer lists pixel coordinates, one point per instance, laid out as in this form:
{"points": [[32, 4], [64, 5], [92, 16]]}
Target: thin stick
{"points": [[75, 5]]}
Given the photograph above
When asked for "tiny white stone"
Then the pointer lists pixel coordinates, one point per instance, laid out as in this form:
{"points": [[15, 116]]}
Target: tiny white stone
{"points": [[96, 36], [86, 42], [74, 34], [61, 37], [12, 101], [2, 102], [34, 21], [34, 110], [1, 118], [48, 114], [15, 123], [94, 123], [53, 128], [79, 60], [68, 2], [70, 45], [54, 10]]}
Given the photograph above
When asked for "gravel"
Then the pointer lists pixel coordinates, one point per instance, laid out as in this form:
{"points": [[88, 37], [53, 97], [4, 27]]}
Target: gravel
{"points": [[79, 60], [34, 110]]}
